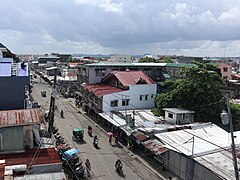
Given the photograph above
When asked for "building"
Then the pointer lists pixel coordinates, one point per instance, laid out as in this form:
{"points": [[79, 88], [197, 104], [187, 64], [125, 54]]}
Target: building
{"points": [[16, 80], [226, 70], [33, 164], [117, 58], [120, 90], [17, 128], [178, 116], [158, 72]]}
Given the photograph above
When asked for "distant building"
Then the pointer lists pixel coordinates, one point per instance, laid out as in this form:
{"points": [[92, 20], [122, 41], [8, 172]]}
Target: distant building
{"points": [[117, 58], [158, 72], [62, 57], [225, 70]]}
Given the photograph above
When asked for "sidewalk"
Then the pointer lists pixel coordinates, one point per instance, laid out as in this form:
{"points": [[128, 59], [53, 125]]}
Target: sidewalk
{"points": [[160, 173]]}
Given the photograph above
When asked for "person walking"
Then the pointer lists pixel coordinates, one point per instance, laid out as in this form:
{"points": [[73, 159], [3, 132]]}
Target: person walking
{"points": [[110, 139], [88, 167]]}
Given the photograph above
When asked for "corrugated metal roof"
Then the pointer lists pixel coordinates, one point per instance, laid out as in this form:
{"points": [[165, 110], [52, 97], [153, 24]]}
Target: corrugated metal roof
{"points": [[155, 146], [30, 158], [44, 156], [139, 135], [204, 147], [178, 110], [20, 117], [101, 89]]}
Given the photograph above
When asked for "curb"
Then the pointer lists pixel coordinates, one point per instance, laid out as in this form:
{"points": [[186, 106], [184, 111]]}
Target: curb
{"points": [[132, 154]]}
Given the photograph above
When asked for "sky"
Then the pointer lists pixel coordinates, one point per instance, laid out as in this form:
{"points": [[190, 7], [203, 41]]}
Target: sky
{"points": [[166, 27]]}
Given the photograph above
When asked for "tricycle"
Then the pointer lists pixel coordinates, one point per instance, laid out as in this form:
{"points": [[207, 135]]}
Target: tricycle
{"points": [[78, 134]]}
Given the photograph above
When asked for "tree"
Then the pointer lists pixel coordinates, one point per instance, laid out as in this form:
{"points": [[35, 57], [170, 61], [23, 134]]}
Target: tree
{"points": [[199, 91], [167, 59], [235, 111], [147, 59]]}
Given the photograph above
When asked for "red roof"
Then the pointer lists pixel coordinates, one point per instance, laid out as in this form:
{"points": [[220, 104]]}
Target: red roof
{"points": [[30, 157], [101, 89], [20, 117], [236, 75], [130, 77]]}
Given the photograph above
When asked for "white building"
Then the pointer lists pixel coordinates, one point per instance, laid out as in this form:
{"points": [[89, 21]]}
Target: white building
{"points": [[122, 90], [178, 116]]}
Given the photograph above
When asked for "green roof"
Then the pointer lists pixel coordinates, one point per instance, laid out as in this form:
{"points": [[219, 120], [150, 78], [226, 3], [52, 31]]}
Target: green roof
{"points": [[131, 64], [179, 65]]}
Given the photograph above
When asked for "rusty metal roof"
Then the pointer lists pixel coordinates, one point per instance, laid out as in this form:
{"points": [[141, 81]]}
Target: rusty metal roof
{"points": [[30, 158], [20, 117]]}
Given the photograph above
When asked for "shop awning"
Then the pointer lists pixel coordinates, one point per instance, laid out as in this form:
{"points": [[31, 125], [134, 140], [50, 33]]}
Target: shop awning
{"points": [[114, 119]]}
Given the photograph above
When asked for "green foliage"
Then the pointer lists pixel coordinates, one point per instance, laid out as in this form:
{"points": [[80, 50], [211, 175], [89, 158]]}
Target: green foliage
{"points": [[147, 59], [198, 91], [167, 59], [235, 111]]}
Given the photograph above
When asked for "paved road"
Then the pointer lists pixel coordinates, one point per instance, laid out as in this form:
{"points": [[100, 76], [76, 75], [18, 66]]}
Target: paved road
{"points": [[102, 160]]}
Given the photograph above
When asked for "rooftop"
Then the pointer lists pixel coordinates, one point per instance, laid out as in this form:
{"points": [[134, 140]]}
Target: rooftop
{"points": [[101, 89], [178, 111], [20, 117], [44, 156], [130, 77], [129, 64], [209, 145]]}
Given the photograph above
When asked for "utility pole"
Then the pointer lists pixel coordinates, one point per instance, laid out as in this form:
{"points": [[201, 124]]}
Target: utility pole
{"points": [[232, 137], [52, 104]]}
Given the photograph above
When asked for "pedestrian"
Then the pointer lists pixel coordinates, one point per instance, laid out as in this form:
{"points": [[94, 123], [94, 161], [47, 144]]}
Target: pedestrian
{"points": [[88, 167], [110, 139]]}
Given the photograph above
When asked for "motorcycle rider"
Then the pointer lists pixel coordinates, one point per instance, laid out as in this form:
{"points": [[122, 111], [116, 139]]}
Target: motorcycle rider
{"points": [[95, 141], [88, 167], [118, 164]]}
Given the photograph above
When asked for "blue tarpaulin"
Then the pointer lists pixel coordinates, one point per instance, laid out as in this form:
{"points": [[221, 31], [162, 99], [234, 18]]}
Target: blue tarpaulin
{"points": [[71, 152]]}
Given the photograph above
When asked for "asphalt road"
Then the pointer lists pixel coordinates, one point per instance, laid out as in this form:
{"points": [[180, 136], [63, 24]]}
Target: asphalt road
{"points": [[103, 159]]}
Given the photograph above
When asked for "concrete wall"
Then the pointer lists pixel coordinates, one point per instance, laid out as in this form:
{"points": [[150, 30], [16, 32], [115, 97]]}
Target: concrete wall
{"points": [[12, 92], [11, 139], [133, 94]]}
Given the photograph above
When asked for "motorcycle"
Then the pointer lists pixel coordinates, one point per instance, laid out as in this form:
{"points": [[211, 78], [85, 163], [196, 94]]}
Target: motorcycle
{"points": [[95, 143], [119, 170]]}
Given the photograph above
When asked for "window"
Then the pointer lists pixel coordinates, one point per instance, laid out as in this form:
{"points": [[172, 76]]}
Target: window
{"points": [[225, 77], [114, 103], [100, 72], [225, 69], [141, 97], [170, 115], [146, 97], [125, 102]]}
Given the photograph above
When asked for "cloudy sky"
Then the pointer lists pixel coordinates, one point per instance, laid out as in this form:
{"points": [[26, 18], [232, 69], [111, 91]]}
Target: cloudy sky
{"points": [[181, 27]]}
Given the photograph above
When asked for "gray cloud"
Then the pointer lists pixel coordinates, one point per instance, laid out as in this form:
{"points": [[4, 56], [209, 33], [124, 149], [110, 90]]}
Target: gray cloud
{"points": [[121, 26]]}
